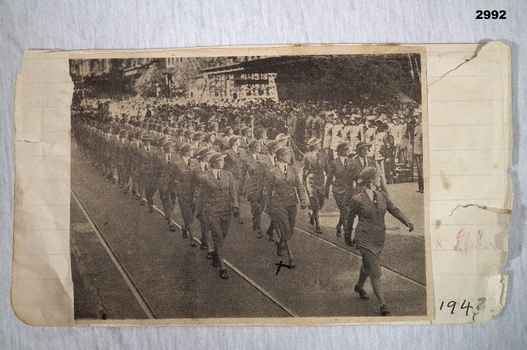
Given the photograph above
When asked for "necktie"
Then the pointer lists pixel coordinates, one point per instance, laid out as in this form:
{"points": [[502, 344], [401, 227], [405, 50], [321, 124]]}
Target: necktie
{"points": [[375, 202], [205, 167], [285, 170], [218, 175], [189, 163]]}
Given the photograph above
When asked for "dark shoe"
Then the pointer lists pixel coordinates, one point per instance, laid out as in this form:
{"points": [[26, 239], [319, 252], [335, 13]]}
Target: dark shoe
{"points": [[385, 311], [125, 191], [348, 242], [259, 235], [339, 231], [203, 245], [319, 230], [311, 218], [279, 249], [143, 202], [172, 228], [150, 209], [224, 274], [193, 243], [270, 234], [137, 197], [210, 256], [362, 293], [185, 233]]}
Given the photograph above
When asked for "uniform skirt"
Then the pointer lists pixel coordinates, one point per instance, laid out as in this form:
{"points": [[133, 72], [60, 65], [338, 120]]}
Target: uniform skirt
{"points": [[316, 197], [371, 262]]}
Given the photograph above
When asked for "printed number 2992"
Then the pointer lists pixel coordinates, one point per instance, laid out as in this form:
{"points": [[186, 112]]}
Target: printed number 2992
{"points": [[494, 14]]}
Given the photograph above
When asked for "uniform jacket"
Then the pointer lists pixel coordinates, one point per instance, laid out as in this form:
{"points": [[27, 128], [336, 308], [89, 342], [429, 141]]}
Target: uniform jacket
{"points": [[336, 136], [357, 166], [197, 174], [316, 165], [282, 189], [147, 160], [234, 162], [418, 139], [218, 196], [371, 229], [244, 141], [183, 176], [163, 169], [328, 129], [253, 176], [339, 176]]}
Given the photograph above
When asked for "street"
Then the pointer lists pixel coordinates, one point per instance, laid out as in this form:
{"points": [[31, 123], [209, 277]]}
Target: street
{"points": [[126, 264]]}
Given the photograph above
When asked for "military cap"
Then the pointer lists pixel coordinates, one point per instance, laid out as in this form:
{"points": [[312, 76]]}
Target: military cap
{"points": [[202, 153], [272, 146], [216, 157], [281, 137], [282, 150], [342, 146], [167, 145], [198, 136], [367, 175], [362, 144], [233, 140], [252, 145], [184, 148], [313, 141]]}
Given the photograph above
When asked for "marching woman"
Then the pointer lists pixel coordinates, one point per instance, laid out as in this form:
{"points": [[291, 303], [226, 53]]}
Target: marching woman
{"points": [[146, 180], [253, 179], [339, 176], [203, 169], [370, 205], [316, 165], [219, 204], [135, 161], [234, 157], [182, 177], [167, 193], [283, 191]]}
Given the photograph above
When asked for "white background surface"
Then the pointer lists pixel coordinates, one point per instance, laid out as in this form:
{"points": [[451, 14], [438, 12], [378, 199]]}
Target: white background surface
{"points": [[105, 24]]}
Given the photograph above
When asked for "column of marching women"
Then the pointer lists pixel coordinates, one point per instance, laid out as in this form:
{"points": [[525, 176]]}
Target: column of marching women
{"points": [[207, 173]]}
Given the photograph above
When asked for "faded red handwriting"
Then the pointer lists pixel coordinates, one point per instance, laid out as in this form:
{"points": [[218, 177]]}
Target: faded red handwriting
{"points": [[467, 240]]}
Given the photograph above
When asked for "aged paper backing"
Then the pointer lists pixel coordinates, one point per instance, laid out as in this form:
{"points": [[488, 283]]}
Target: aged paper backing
{"points": [[469, 143]]}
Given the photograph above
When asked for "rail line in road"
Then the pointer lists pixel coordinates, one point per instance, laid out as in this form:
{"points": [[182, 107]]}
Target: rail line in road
{"points": [[122, 270], [143, 302], [242, 275]]}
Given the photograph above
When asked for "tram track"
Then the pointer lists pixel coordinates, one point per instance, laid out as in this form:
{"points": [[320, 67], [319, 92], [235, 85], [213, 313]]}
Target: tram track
{"points": [[147, 308]]}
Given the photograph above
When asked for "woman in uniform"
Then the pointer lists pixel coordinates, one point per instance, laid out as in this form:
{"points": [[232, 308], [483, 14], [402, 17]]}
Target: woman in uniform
{"points": [[283, 192], [316, 166], [370, 205], [339, 176], [146, 180], [167, 193], [220, 203], [182, 176], [203, 169], [252, 183]]}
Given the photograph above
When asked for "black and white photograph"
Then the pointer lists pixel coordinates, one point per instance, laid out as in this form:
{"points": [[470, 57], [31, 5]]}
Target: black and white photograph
{"points": [[250, 187]]}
